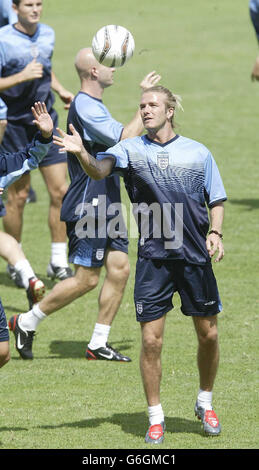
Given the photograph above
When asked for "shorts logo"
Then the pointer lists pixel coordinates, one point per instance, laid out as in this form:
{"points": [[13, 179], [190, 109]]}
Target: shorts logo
{"points": [[162, 160], [211, 302], [139, 307], [99, 254]]}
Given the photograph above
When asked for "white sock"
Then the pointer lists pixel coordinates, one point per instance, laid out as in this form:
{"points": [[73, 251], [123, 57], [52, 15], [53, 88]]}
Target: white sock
{"points": [[204, 399], [59, 254], [25, 271], [99, 336], [31, 320], [156, 414]]}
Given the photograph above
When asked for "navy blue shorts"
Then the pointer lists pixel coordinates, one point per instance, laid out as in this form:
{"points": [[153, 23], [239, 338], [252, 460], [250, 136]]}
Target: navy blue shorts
{"points": [[90, 252], [156, 282], [4, 331], [17, 136], [2, 208]]}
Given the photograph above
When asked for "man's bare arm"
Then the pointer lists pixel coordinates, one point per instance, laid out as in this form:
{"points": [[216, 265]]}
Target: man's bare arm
{"points": [[214, 240], [73, 143], [135, 126], [32, 71], [65, 95]]}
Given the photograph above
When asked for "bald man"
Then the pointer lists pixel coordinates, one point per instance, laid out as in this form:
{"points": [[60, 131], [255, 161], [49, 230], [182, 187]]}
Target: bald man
{"points": [[95, 240]]}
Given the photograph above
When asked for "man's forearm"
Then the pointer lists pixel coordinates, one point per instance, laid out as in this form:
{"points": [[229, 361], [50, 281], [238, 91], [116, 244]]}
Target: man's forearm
{"points": [[55, 84], [96, 169], [9, 82], [133, 128]]}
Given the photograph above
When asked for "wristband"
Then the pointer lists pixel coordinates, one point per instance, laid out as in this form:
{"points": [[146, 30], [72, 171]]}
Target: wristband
{"points": [[216, 232]]}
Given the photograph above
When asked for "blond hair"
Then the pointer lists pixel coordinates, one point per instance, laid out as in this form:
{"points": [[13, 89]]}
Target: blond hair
{"points": [[172, 100]]}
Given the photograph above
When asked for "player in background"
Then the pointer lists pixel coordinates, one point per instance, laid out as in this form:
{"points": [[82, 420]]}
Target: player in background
{"points": [[98, 130], [12, 167], [7, 16], [10, 249], [25, 78], [254, 15], [169, 170]]}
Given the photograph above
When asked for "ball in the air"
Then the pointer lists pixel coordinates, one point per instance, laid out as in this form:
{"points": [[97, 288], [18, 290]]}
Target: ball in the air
{"points": [[113, 45]]}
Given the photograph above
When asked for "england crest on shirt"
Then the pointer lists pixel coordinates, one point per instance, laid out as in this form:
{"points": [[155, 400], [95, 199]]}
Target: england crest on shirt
{"points": [[34, 51], [99, 254], [162, 160]]}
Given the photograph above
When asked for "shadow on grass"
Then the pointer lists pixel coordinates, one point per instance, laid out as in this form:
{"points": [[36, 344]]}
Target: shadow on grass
{"points": [[5, 428], [10, 429], [9, 309], [249, 204], [6, 281], [19, 307], [76, 349], [135, 424]]}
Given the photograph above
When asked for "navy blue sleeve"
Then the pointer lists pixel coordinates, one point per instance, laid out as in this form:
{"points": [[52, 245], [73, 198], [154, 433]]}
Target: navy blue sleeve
{"points": [[14, 165]]}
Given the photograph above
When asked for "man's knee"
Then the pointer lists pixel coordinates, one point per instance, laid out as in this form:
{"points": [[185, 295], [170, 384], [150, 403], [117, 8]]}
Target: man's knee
{"points": [[18, 198], [120, 270], [208, 336], [3, 123], [86, 282], [57, 194], [123, 272], [152, 343]]}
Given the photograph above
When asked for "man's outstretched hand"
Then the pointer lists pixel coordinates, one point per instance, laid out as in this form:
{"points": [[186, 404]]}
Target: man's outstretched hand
{"points": [[69, 142], [42, 119]]}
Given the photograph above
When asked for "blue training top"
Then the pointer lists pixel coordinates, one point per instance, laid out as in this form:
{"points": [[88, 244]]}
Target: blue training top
{"points": [[181, 171], [99, 131], [7, 16]]}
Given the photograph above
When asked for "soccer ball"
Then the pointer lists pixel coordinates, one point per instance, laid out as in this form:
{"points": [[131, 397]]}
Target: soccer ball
{"points": [[113, 45]]}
